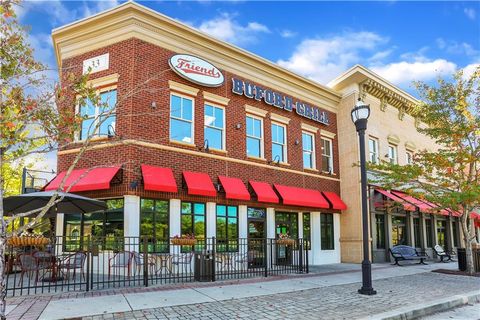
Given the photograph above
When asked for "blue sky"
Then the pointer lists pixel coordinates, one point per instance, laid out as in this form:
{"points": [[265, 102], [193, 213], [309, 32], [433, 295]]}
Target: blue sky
{"points": [[402, 41]]}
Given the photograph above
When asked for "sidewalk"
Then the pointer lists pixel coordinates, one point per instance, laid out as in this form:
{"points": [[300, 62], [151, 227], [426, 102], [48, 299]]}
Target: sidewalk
{"points": [[330, 294]]}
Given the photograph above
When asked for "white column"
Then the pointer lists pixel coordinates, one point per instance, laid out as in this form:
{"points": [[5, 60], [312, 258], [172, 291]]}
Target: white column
{"points": [[300, 225], [131, 222], [211, 219], [59, 225], [315, 241], [242, 222], [270, 223], [336, 235], [175, 208]]}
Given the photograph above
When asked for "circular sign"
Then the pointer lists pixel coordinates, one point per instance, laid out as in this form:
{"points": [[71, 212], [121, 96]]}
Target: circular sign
{"points": [[196, 70]]}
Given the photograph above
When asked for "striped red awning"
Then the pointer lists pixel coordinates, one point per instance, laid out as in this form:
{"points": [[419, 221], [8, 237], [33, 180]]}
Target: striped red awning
{"points": [[301, 197], [422, 206], [406, 206], [84, 179], [234, 188], [335, 200], [158, 179]]}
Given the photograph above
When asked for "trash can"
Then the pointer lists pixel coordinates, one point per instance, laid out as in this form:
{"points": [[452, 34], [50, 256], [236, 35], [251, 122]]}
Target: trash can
{"points": [[462, 259], [203, 267]]}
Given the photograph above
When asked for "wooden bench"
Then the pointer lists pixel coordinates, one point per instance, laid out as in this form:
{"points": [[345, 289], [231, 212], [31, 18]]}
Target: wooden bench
{"points": [[404, 253], [445, 256]]}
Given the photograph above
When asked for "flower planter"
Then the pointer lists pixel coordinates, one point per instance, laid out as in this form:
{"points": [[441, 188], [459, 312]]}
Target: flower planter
{"points": [[25, 241], [184, 242], [286, 242]]}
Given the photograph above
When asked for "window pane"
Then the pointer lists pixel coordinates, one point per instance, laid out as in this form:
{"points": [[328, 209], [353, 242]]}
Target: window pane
{"points": [[253, 147], [187, 107], [232, 211], [180, 131], [325, 163], [277, 150], [108, 100], [214, 137], [187, 224], [175, 106], [307, 160], [199, 230], [219, 118], [327, 231], [232, 228], [107, 127], [307, 142], [250, 126], [87, 128], [88, 109], [257, 128], [186, 208], [380, 221], [199, 208], [221, 228], [221, 211]]}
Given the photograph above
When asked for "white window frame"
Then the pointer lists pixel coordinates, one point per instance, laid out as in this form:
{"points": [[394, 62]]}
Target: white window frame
{"points": [[284, 145], [262, 138], [408, 155], [224, 133], [394, 154], [314, 164], [370, 152], [96, 117], [192, 131], [330, 162]]}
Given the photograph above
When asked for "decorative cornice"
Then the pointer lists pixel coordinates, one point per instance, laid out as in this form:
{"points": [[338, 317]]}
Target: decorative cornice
{"points": [[210, 97], [255, 111]]}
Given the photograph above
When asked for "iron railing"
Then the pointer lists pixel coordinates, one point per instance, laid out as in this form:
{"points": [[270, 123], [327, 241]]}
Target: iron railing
{"points": [[94, 263]]}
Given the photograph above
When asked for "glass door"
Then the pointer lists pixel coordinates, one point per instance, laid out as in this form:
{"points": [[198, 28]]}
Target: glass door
{"points": [[256, 237], [286, 226]]}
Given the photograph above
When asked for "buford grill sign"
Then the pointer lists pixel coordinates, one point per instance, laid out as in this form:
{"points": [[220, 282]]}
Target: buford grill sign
{"points": [[196, 70], [278, 100]]}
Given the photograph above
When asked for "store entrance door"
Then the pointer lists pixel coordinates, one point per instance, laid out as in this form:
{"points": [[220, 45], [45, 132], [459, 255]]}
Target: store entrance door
{"points": [[286, 226], [256, 237]]}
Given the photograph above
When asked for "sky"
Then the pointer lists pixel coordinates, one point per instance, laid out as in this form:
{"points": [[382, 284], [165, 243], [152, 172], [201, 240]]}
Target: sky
{"points": [[402, 41]]}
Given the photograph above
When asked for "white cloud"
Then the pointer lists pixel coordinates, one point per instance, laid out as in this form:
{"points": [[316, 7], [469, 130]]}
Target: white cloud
{"points": [[287, 33], [403, 72], [454, 47], [322, 59], [470, 13], [225, 27], [380, 55], [470, 69]]}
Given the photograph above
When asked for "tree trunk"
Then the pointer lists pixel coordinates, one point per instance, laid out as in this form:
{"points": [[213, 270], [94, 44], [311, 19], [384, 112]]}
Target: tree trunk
{"points": [[468, 242]]}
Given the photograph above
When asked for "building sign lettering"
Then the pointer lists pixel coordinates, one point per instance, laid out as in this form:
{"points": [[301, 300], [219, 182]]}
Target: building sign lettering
{"points": [[273, 98], [196, 70], [96, 64]]}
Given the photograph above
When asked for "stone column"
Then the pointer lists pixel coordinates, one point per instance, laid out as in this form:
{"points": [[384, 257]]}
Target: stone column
{"points": [[131, 222], [300, 225], [315, 242], [175, 208], [243, 228], [270, 223], [211, 219]]}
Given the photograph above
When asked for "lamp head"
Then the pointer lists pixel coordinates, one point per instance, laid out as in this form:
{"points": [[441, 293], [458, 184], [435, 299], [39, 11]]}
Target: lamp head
{"points": [[361, 111]]}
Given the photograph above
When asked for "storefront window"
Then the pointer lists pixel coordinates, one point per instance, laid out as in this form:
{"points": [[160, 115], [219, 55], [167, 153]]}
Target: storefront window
{"points": [[181, 119], [399, 230], [373, 150], [279, 141], [417, 233], [327, 155], [227, 228], [429, 232], [392, 154], [306, 230], [154, 224], [455, 233], [441, 228], [308, 150], [193, 222], [380, 229], [92, 115], [286, 223], [254, 137], [105, 228], [327, 231], [214, 127]]}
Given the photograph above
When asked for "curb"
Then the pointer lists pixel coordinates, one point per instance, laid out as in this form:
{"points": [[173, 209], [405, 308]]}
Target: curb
{"points": [[444, 304]]}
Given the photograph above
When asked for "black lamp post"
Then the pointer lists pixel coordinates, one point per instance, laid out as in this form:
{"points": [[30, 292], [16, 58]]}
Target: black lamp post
{"points": [[360, 114]]}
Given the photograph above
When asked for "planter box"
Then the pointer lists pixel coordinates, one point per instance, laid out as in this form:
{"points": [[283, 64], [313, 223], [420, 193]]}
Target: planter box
{"points": [[286, 242], [184, 242]]}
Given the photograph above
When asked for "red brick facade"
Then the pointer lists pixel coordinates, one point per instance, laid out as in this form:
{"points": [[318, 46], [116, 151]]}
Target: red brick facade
{"points": [[143, 69]]}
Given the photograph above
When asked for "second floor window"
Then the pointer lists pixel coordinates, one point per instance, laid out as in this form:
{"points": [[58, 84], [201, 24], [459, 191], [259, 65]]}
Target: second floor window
{"points": [[409, 157], [278, 143], [214, 127], [254, 137], [308, 151], [103, 114], [181, 119], [373, 150], [327, 155], [392, 154]]}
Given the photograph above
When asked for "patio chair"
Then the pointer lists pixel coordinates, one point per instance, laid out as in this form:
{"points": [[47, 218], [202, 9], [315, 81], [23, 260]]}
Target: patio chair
{"points": [[45, 261], [138, 260], [73, 262], [445, 256], [29, 265], [183, 261], [120, 260]]}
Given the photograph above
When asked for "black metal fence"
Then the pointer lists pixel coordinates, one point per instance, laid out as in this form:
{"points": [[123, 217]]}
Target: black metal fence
{"points": [[84, 263]]}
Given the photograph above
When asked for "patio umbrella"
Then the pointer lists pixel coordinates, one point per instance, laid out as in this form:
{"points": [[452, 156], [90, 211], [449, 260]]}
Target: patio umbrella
{"points": [[71, 203]]}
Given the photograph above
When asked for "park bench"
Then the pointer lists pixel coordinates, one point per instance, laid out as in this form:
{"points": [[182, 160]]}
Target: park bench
{"points": [[445, 256], [404, 253]]}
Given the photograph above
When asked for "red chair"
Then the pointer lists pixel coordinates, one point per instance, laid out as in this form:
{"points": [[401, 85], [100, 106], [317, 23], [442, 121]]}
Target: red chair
{"points": [[73, 262], [29, 265], [121, 260]]}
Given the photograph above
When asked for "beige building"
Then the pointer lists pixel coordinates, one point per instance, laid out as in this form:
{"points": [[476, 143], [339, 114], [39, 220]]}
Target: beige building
{"points": [[391, 136]]}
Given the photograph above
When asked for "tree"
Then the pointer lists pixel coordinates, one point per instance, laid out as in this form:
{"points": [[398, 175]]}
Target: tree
{"points": [[448, 176]]}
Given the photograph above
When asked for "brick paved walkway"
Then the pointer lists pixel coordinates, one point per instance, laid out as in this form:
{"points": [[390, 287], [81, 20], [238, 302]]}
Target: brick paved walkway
{"points": [[334, 302]]}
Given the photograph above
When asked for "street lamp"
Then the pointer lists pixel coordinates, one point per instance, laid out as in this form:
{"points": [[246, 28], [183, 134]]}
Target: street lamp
{"points": [[360, 114]]}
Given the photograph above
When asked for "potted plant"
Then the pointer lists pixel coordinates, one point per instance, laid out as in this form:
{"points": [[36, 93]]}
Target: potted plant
{"points": [[284, 239], [184, 240]]}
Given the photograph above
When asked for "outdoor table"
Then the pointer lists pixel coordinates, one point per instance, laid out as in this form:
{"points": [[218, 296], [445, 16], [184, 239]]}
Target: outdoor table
{"points": [[49, 262]]}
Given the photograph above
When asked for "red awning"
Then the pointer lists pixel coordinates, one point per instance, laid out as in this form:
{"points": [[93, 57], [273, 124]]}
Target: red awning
{"points": [[475, 215], [302, 197], [84, 179], [436, 208], [234, 188], [422, 206], [335, 200], [199, 183], [158, 179], [264, 192], [406, 206]]}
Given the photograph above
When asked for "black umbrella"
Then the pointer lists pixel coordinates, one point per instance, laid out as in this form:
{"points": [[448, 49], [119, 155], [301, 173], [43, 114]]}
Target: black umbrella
{"points": [[71, 203]]}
